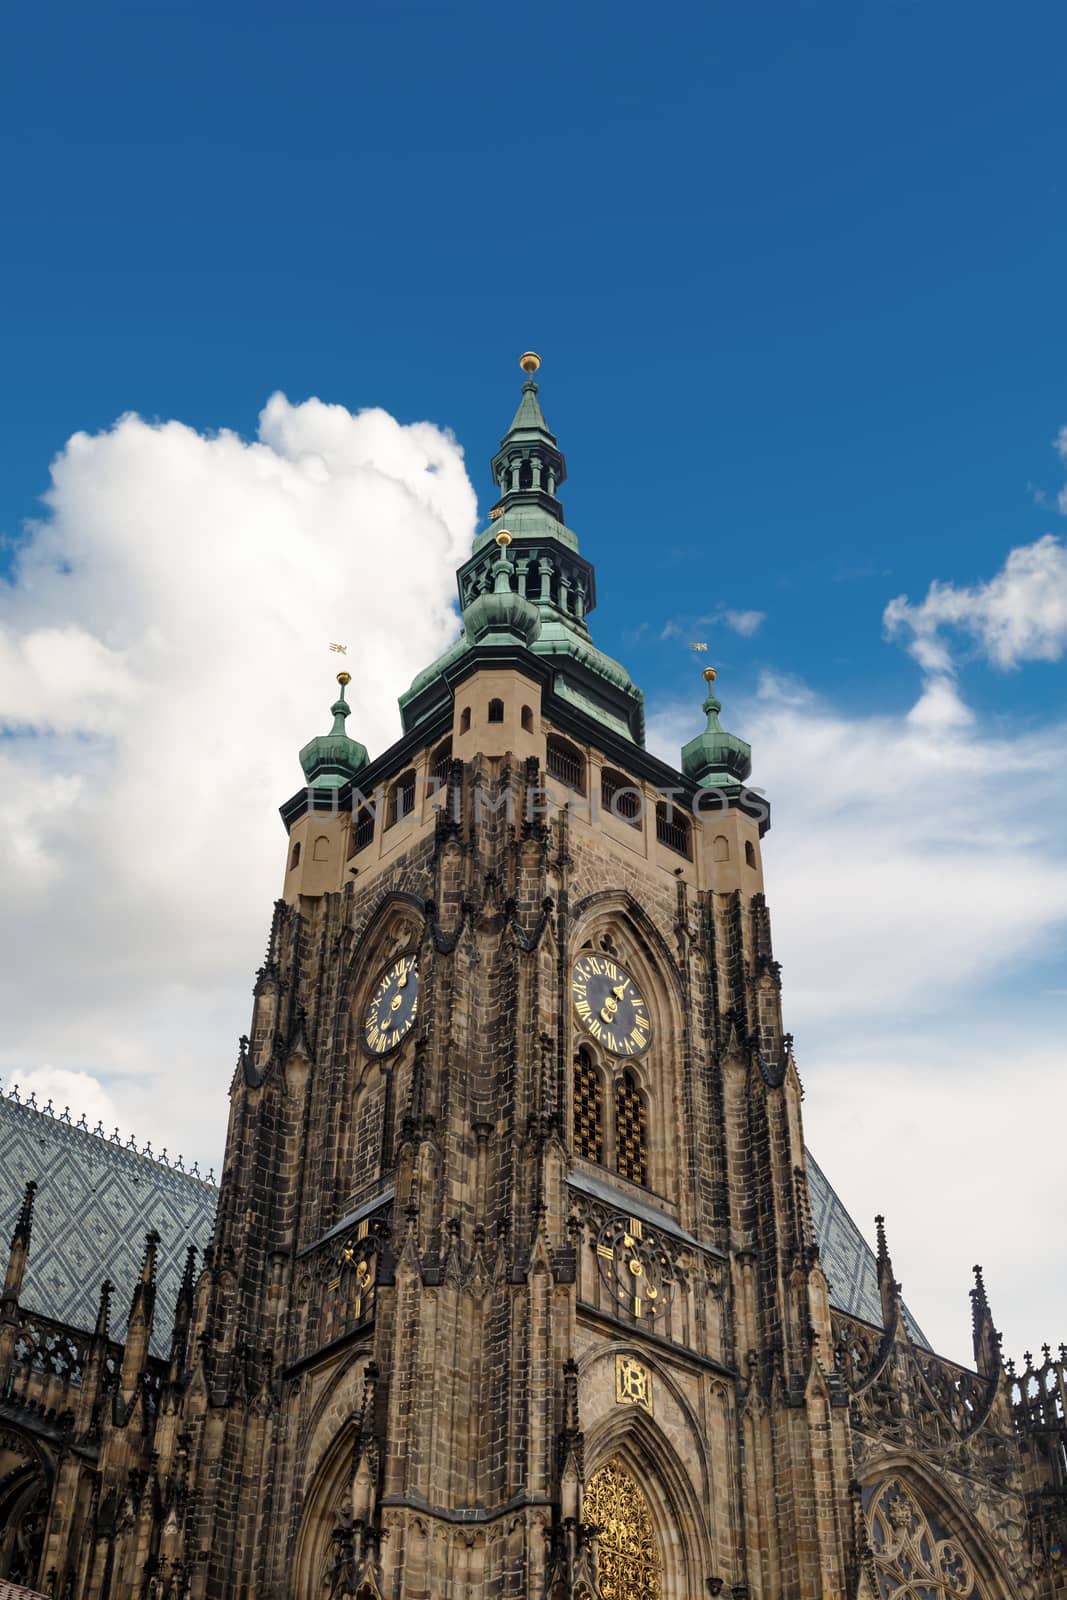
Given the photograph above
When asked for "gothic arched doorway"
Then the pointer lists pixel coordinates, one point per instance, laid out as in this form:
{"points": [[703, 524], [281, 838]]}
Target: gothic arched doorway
{"points": [[629, 1563], [914, 1553], [25, 1492]]}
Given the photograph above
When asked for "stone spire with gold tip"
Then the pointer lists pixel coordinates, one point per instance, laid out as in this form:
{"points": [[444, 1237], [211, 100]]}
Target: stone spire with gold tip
{"points": [[716, 759], [330, 760]]}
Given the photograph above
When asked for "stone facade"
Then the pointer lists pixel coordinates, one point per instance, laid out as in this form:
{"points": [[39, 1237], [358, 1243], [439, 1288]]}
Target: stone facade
{"points": [[494, 1305]]}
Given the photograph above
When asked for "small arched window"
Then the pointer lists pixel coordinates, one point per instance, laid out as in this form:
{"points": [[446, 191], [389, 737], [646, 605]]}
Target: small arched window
{"points": [[750, 853], [440, 761], [465, 720], [526, 476], [673, 830], [527, 720], [566, 763], [620, 796], [496, 711], [588, 1109], [401, 798], [321, 851], [362, 829], [631, 1131], [720, 848], [294, 859]]}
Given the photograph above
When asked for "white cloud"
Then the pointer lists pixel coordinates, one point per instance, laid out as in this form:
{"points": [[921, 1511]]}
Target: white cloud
{"points": [[917, 872], [163, 656], [78, 1093], [743, 622], [1019, 615], [926, 1128]]}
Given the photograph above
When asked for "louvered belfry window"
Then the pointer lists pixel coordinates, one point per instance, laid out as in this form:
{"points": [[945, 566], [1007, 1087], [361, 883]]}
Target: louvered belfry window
{"points": [[588, 1109], [631, 1131]]}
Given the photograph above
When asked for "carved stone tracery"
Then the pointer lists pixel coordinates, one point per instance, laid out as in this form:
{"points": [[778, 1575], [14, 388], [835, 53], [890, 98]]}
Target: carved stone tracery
{"points": [[914, 1557]]}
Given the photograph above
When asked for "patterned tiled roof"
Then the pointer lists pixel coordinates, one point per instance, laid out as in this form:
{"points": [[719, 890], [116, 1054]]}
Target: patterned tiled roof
{"points": [[15, 1591], [96, 1200], [848, 1261]]}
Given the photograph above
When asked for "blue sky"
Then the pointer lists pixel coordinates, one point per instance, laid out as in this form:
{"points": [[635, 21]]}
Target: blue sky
{"points": [[797, 275], [796, 271]]}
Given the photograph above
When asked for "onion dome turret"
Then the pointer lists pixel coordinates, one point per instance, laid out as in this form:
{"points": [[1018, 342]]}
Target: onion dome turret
{"points": [[716, 759], [331, 759]]}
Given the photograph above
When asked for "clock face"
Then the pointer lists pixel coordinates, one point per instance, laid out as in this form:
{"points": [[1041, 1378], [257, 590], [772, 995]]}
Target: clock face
{"points": [[393, 1006], [634, 1266], [610, 1006]]}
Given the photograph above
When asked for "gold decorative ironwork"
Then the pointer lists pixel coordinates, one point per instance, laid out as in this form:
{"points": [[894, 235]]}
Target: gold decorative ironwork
{"points": [[631, 1131], [913, 1554], [588, 1109], [629, 1565], [633, 1383]]}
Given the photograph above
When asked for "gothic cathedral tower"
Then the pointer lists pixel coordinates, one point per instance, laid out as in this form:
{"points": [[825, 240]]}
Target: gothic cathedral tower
{"points": [[514, 1205], [514, 1292]]}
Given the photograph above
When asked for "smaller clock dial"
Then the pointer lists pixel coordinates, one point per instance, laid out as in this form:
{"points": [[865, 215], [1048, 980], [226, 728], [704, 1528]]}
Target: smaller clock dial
{"points": [[610, 1006], [393, 1006], [634, 1266]]}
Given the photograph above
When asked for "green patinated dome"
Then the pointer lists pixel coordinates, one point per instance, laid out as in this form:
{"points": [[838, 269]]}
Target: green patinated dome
{"points": [[502, 612], [715, 759], [332, 758]]}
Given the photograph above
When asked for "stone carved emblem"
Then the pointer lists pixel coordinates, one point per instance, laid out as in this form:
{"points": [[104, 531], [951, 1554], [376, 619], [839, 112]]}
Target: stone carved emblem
{"points": [[633, 1383]]}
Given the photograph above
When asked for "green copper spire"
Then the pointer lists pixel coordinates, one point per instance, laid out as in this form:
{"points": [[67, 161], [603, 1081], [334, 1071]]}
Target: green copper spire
{"points": [[716, 759], [502, 613], [528, 423], [529, 466], [331, 759], [527, 585]]}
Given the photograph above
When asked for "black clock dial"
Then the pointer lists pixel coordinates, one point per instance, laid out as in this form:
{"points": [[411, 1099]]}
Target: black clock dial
{"points": [[610, 1006], [393, 1006], [634, 1266]]}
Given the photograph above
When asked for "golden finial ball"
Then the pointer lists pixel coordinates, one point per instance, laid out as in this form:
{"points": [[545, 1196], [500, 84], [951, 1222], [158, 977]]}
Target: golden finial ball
{"points": [[529, 361], [709, 675], [503, 538], [344, 678]]}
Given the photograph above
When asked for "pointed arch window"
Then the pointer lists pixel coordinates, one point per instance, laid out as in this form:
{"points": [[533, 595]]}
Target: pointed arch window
{"points": [[631, 1131], [629, 1564], [913, 1553], [588, 1108]]}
